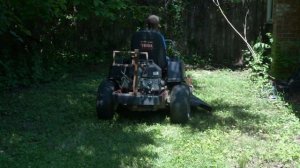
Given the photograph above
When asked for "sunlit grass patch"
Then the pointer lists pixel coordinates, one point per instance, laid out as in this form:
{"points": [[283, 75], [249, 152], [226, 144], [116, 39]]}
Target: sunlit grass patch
{"points": [[55, 125]]}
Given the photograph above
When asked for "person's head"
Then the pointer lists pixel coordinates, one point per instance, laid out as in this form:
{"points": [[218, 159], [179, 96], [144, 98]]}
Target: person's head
{"points": [[153, 22]]}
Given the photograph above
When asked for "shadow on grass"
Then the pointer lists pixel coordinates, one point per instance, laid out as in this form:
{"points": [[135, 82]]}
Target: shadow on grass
{"points": [[147, 117], [296, 109], [295, 102], [56, 126], [226, 116]]}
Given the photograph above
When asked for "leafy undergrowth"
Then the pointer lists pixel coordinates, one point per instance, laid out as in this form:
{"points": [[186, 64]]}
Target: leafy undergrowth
{"points": [[55, 125]]}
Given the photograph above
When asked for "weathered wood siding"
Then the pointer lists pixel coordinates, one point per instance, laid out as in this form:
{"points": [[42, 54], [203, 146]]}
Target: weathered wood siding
{"points": [[209, 36]]}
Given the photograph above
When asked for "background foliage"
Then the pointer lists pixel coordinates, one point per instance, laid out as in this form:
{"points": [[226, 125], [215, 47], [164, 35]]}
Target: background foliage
{"points": [[260, 63], [43, 40], [40, 39]]}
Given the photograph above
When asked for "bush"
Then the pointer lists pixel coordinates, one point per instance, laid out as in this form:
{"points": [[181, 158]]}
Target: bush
{"points": [[259, 64]]}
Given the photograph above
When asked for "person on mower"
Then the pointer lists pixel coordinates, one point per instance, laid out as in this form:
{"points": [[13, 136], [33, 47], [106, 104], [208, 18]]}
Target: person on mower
{"points": [[153, 25], [150, 40]]}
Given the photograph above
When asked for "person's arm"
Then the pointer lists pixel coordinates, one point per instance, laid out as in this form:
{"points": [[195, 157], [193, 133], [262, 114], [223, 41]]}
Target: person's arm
{"points": [[164, 41]]}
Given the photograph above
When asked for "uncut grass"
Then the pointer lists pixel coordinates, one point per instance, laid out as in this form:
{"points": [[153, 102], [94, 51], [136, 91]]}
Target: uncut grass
{"points": [[55, 125]]}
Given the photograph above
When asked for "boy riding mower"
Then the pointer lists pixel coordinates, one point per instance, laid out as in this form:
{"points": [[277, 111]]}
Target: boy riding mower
{"points": [[147, 81]]}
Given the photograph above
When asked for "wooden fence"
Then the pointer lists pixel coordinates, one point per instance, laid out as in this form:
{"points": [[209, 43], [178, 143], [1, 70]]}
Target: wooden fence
{"points": [[208, 36]]}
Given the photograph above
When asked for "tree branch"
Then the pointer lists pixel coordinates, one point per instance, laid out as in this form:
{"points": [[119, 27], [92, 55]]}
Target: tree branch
{"points": [[216, 2], [245, 25]]}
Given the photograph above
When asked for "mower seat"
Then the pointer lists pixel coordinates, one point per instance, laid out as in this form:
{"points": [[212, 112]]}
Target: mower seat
{"points": [[152, 42]]}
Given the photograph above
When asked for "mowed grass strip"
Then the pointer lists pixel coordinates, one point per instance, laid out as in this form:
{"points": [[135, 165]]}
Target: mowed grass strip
{"points": [[55, 125]]}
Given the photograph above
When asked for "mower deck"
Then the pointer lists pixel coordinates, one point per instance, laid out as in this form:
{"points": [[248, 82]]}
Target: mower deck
{"points": [[139, 99]]}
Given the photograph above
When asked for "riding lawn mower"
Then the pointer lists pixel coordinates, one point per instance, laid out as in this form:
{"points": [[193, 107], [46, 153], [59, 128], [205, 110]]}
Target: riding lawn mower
{"points": [[146, 79]]}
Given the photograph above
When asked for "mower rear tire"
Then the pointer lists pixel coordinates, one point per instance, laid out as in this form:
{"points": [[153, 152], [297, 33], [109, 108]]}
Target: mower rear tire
{"points": [[105, 105], [180, 108]]}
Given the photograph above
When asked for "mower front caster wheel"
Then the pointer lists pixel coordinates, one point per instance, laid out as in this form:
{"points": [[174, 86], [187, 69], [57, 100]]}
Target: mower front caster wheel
{"points": [[105, 105], [180, 104]]}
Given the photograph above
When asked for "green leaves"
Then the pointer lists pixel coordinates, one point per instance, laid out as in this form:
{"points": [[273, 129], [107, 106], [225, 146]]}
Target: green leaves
{"points": [[102, 9], [35, 33], [259, 64]]}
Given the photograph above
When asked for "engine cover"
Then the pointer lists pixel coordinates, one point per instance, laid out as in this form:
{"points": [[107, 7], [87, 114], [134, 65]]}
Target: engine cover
{"points": [[150, 78], [150, 85], [150, 70]]}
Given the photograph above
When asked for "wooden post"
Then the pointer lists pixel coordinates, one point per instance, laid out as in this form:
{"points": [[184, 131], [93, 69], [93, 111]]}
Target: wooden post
{"points": [[135, 77]]}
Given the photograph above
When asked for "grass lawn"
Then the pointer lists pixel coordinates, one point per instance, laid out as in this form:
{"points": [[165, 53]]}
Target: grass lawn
{"points": [[55, 125]]}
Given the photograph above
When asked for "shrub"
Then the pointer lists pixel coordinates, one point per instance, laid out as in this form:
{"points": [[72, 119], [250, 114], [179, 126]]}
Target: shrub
{"points": [[259, 64]]}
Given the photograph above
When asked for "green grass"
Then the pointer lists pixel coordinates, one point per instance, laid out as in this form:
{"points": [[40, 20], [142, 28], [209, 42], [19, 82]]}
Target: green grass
{"points": [[55, 125]]}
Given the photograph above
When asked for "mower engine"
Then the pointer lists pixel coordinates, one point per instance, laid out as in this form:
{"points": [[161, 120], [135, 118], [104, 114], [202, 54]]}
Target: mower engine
{"points": [[150, 78]]}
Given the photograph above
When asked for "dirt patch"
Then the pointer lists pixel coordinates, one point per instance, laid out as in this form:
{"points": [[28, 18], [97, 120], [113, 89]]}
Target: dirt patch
{"points": [[298, 139], [258, 162]]}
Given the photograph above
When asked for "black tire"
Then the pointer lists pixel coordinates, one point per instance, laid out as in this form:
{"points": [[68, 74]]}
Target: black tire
{"points": [[180, 108], [105, 105]]}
